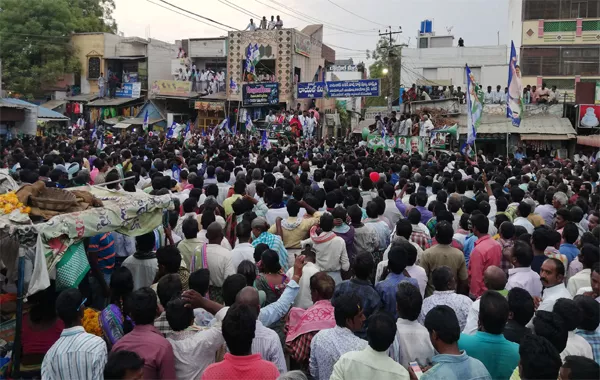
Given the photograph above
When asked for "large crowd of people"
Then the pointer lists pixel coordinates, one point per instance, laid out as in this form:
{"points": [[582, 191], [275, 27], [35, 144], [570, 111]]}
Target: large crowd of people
{"points": [[321, 259]]}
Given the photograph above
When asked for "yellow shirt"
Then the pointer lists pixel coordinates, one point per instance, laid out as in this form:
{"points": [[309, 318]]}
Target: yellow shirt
{"points": [[227, 203], [292, 238]]}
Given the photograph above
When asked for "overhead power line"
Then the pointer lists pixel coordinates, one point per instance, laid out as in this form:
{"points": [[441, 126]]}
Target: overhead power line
{"points": [[354, 14], [197, 15], [188, 16], [239, 9]]}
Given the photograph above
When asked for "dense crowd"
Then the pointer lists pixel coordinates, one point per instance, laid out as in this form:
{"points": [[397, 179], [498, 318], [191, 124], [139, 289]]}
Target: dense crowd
{"points": [[322, 259]]}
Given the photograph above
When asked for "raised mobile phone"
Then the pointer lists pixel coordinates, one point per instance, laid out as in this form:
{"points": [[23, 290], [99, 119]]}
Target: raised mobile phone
{"points": [[416, 369]]}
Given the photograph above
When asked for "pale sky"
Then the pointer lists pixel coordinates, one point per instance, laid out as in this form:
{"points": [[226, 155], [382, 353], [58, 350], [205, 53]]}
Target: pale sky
{"points": [[476, 21]]}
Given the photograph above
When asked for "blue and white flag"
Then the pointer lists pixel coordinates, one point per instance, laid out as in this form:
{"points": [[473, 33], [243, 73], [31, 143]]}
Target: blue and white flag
{"points": [[252, 58], [514, 98], [224, 124], [145, 124], [474, 106], [249, 124], [94, 136], [176, 170], [265, 143], [171, 130], [235, 129], [467, 150], [233, 85], [203, 132], [187, 134]]}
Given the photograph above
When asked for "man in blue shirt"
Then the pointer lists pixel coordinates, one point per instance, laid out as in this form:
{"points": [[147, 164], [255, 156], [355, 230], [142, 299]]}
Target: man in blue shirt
{"points": [[451, 363], [489, 345], [570, 235], [397, 259]]}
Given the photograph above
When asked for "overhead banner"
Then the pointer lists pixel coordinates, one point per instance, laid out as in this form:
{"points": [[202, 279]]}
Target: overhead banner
{"points": [[260, 94], [408, 144], [339, 89], [171, 88], [129, 90], [438, 140]]}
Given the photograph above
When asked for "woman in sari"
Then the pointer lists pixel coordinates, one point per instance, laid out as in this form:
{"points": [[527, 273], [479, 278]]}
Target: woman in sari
{"points": [[271, 280], [114, 319]]}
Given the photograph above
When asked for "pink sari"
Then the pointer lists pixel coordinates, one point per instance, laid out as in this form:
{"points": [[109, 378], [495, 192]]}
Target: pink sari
{"points": [[316, 318]]}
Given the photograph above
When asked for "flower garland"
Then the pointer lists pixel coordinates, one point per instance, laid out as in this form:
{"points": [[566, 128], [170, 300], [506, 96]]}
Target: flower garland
{"points": [[9, 203]]}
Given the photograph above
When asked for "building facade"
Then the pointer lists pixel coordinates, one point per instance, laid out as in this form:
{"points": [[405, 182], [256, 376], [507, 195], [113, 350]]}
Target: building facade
{"points": [[287, 56], [559, 41]]}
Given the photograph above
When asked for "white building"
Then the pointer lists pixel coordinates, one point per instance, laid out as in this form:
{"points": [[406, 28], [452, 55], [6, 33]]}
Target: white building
{"points": [[439, 62]]}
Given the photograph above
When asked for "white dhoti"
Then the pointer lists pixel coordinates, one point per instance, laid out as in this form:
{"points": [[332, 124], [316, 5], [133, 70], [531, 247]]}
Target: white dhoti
{"points": [[203, 85]]}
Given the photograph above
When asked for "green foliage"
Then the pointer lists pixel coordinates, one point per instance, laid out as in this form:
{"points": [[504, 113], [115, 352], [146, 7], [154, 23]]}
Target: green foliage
{"points": [[382, 56], [35, 39], [344, 116]]}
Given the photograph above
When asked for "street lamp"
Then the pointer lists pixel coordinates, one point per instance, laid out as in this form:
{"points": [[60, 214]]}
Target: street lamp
{"points": [[385, 71]]}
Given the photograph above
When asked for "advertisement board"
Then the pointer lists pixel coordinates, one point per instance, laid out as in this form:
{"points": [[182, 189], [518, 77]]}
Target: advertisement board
{"points": [[589, 115], [129, 90], [171, 88], [406, 143], [260, 94], [339, 89], [438, 140]]}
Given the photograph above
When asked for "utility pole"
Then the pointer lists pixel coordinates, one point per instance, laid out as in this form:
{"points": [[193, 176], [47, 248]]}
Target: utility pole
{"points": [[389, 33]]}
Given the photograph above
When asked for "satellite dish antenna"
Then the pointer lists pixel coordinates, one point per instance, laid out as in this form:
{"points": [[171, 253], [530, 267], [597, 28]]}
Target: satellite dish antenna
{"points": [[449, 29]]}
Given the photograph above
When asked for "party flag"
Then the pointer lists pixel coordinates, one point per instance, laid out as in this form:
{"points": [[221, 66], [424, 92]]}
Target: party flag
{"points": [[514, 98]]}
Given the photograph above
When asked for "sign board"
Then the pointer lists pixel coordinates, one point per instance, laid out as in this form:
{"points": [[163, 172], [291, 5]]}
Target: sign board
{"points": [[129, 90], [339, 89], [589, 115], [302, 45], [171, 88], [207, 48], [260, 94], [310, 90], [597, 92], [342, 68], [406, 143], [438, 140]]}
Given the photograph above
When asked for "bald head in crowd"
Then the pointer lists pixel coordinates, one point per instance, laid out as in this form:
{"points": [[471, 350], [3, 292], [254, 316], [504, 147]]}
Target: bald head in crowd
{"points": [[494, 278]]}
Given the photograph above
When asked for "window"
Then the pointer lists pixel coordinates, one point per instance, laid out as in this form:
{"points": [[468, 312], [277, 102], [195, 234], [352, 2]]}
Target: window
{"points": [[560, 9], [93, 68], [559, 61]]}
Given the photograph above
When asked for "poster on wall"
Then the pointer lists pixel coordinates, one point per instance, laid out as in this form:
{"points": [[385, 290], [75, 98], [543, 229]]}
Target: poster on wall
{"points": [[129, 90], [438, 140], [171, 88], [302, 46], [597, 92], [589, 116], [260, 94], [406, 143]]}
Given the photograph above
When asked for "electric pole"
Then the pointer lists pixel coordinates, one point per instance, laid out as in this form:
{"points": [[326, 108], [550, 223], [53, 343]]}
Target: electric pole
{"points": [[391, 46]]}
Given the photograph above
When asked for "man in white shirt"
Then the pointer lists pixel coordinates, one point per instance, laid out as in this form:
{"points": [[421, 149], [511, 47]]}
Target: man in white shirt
{"points": [[251, 27], [412, 341], [494, 279], [243, 250], [304, 298], [101, 83], [330, 249], [523, 211], [391, 211], [426, 127], [217, 260], [328, 345], [588, 257], [311, 124], [552, 275], [143, 264], [278, 23], [75, 352], [488, 96], [271, 24], [522, 276], [373, 361], [497, 95], [571, 315], [270, 118], [203, 81]]}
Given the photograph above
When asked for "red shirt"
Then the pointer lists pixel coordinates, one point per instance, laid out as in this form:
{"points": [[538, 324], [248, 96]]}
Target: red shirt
{"points": [[241, 367], [487, 252], [36, 341]]}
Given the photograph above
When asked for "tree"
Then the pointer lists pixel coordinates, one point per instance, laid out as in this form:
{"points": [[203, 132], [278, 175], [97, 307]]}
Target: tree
{"points": [[35, 37], [382, 56]]}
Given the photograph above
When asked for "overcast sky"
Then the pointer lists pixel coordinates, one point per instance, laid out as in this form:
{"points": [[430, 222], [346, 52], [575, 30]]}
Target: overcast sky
{"points": [[476, 21]]}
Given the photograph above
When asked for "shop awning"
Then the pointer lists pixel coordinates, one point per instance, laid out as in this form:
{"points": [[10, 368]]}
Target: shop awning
{"points": [[589, 140], [121, 125], [538, 136], [52, 104], [132, 120], [543, 127], [82, 98], [106, 102]]}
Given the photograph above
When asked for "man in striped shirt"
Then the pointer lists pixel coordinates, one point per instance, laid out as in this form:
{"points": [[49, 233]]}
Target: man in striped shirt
{"points": [[76, 354]]}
